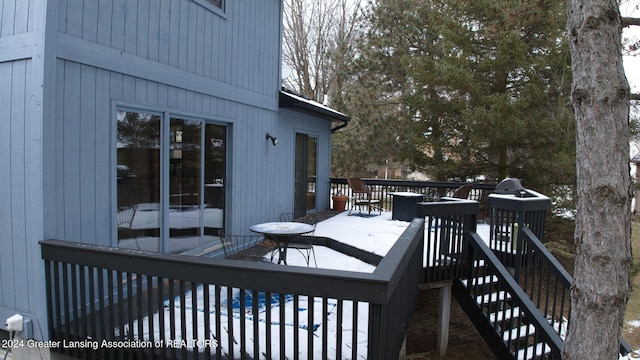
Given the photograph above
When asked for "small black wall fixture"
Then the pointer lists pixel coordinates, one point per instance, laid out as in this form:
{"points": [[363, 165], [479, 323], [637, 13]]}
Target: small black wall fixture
{"points": [[274, 140]]}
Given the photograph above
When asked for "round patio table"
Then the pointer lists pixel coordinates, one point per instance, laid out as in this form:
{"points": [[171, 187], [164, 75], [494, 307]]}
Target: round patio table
{"points": [[282, 233]]}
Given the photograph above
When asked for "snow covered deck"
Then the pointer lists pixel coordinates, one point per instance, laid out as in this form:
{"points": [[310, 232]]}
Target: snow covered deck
{"points": [[226, 308], [375, 234]]}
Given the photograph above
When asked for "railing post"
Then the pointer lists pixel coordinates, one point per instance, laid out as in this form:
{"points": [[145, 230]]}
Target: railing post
{"points": [[510, 213], [445, 247], [376, 349], [444, 315]]}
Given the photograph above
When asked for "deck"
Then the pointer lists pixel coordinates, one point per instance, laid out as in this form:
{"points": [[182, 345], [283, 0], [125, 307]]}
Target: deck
{"points": [[356, 309]]}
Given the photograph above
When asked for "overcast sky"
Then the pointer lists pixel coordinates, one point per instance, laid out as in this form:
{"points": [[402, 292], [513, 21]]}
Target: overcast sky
{"points": [[632, 63]]}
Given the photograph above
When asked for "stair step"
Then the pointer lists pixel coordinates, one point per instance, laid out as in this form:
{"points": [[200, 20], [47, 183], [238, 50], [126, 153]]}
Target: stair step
{"points": [[493, 297], [478, 263], [505, 315], [541, 349], [519, 332], [481, 281]]}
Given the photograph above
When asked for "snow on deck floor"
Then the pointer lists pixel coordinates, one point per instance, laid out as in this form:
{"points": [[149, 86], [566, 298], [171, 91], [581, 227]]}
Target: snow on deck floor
{"points": [[230, 311], [375, 234]]}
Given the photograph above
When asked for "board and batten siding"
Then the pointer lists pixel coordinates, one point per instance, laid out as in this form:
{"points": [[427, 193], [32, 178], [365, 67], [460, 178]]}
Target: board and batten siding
{"points": [[21, 274], [303, 123], [58, 120], [161, 55], [18, 16], [21, 269], [82, 168], [240, 48], [20, 25]]}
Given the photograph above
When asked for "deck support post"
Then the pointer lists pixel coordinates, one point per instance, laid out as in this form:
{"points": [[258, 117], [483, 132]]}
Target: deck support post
{"points": [[402, 355], [444, 316], [444, 313]]}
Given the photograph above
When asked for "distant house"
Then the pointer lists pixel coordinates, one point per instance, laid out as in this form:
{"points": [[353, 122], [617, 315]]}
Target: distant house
{"points": [[147, 125]]}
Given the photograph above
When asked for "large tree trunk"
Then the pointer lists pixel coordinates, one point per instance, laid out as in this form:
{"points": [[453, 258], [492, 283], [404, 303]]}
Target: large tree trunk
{"points": [[602, 236]]}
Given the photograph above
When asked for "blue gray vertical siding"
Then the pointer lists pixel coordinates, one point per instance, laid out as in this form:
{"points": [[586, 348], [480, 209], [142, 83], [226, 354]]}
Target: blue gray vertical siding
{"points": [[57, 115], [165, 55], [18, 16], [21, 276], [300, 122], [13, 188], [261, 176], [241, 48]]}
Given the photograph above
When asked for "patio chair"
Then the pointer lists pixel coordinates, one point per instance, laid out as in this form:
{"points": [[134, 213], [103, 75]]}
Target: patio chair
{"points": [[126, 216], [362, 196], [233, 245], [303, 243], [463, 191]]}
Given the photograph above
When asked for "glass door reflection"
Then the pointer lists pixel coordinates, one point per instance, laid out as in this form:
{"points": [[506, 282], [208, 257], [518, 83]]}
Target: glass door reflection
{"points": [[138, 180], [184, 185], [215, 163], [171, 182]]}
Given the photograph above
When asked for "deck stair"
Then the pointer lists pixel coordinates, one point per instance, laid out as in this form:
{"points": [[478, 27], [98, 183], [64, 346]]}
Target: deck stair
{"points": [[508, 313], [510, 286], [495, 313]]}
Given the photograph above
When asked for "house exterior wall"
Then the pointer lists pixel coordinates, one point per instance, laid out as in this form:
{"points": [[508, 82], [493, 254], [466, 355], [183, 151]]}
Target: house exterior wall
{"points": [[176, 56], [67, 65], [300, 122], [82, 162], [21, 101], [240, 48], [20, 194]]}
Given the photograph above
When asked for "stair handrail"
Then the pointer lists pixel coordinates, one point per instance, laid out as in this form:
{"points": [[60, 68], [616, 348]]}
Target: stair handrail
{"points": [[539, 266], [546, 256], [548, 335], [552, 263]]}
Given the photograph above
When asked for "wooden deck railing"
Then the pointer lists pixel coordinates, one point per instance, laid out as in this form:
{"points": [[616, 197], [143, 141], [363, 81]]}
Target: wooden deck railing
{"points": [[182, 307], [382, 189], [479, 270], [513, 261], [161, 306], [446, 223], [510, 322]]}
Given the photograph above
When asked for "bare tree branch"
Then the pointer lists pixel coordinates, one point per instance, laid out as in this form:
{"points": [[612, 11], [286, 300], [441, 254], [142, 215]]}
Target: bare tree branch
{"points": [[629, 21], [316, 38], [635, 97]]}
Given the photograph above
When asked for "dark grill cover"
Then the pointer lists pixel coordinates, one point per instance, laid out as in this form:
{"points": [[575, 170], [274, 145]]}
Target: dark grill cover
{"points": [[509, 186]]}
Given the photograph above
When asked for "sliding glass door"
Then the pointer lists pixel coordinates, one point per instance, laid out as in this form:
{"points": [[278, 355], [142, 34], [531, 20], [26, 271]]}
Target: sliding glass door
{"points": [[138, 177], [171, 176], [306, 165]]}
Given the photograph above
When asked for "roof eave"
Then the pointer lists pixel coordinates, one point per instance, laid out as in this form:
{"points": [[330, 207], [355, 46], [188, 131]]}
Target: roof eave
{"points": [[288, 100]]}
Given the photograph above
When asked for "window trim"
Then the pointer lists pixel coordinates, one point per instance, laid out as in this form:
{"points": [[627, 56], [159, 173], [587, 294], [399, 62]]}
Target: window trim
{"points": [[221, 11]]}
